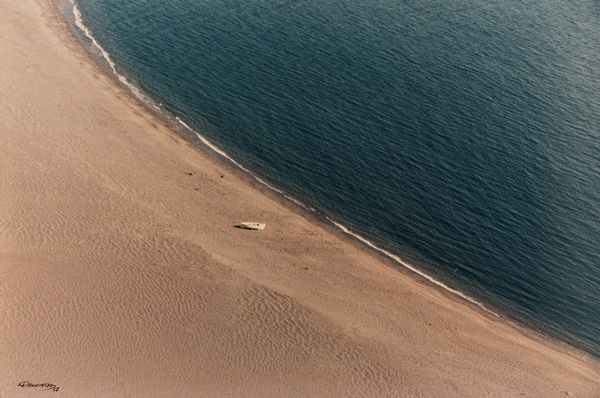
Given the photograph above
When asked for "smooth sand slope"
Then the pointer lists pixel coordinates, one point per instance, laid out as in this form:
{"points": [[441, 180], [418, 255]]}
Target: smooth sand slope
{"points": [[122, 276]]}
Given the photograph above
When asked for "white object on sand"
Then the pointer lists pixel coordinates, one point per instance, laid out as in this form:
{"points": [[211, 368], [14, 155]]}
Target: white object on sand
{"points": [[252, 225]]}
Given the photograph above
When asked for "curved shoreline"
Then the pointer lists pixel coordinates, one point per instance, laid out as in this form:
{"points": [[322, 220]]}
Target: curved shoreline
{"points": [[123, 266], [145, 100], [479, 300]]}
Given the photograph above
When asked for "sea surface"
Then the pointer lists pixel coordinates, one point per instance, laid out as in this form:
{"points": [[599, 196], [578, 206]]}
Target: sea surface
{"points": [[462, 136]]}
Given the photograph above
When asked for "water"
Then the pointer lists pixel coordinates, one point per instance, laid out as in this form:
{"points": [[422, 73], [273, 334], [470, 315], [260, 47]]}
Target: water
{"points": [[463, 136]]}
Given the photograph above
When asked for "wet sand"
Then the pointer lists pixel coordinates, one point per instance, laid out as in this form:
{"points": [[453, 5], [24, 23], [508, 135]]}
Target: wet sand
{"points": [[122, 275]]}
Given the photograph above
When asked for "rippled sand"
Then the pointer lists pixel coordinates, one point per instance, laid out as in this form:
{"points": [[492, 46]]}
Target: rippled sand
{"points": [[121, 275]]}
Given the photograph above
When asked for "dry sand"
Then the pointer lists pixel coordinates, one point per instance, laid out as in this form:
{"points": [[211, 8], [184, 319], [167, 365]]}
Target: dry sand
{"points": [[122, 276]]}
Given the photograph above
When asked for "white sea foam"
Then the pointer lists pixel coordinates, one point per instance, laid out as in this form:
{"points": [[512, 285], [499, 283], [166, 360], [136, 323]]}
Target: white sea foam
{"points": [[257, 178], [268, 185], [397, 259], [106, 56], [299, 203], [212, 146], [224, 154]]}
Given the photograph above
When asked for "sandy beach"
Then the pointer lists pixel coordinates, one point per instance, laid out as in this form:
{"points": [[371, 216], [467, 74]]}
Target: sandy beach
{"points": [[122, 275]]}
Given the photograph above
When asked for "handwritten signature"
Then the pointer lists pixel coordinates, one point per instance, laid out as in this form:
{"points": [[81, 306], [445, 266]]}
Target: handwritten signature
{"points": [[41, 386]]}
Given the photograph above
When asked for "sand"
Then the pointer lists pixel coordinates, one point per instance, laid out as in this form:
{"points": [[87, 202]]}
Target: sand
{"points": [[121, 275]]}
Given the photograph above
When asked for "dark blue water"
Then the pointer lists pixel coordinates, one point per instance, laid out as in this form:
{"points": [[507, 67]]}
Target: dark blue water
{"points": [[463, 135]]}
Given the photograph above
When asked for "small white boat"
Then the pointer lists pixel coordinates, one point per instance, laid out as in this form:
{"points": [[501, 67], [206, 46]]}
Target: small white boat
{"points": [[252, 225]]}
